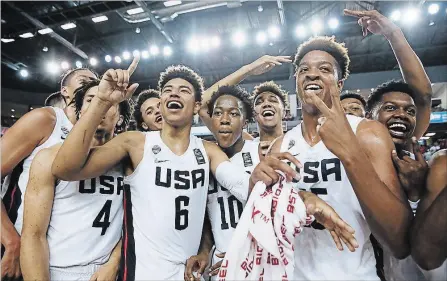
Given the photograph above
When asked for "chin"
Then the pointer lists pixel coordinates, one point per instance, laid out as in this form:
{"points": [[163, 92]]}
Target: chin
{"points": [[399, 142]]}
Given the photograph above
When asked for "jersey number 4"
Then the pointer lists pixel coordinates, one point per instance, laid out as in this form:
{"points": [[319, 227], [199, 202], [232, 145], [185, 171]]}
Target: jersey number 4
{"points": [[103, 217]]}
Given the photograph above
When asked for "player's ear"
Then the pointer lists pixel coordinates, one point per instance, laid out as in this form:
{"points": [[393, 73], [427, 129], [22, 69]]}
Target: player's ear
{"points": [[197, 106], [340, 84], [144, 125]]}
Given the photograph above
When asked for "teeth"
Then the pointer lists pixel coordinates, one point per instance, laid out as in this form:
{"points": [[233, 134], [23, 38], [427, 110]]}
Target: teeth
{"points": [[174, 103], [398, 125], [313, 87], [268, 113]]}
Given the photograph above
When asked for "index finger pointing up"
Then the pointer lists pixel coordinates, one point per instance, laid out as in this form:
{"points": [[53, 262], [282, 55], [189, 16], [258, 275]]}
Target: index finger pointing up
{"points": [[134, 64], [358, 14]]}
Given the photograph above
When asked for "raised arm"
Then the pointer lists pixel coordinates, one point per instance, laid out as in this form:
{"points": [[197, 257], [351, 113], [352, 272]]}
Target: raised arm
{"points": [[428, 239], [75, 160], [34, 253], [258, 67], [411, 67]]}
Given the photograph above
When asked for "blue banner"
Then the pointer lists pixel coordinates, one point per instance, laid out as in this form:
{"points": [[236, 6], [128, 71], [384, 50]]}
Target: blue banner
{"points": [[438, 117]]}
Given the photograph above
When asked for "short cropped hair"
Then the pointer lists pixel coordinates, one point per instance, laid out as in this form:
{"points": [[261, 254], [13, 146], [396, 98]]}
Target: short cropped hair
{"points": [[54, 99], [236, 92], [328, 45], [185, 73], [352, 95], [66, 76], [142, 97], [390, 86], [273, 88], [125, 108]]}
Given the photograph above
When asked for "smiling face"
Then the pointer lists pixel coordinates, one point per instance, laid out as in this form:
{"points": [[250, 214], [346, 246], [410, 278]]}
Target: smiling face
{"points": [[353, 106], [151, 114], [228, 120], [317, 74], [269, 110], [178, 105], [397, 112]]}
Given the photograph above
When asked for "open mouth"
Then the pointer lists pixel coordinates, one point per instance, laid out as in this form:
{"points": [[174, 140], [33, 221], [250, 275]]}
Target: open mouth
{"points": [[312, 88], [158, 119], [268, 113], [398, 129], [174, 105]]}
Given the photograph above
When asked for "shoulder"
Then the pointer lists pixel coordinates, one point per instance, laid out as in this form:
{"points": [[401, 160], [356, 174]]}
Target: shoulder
{"points": [[132, 138], [209, 146], [371, 131], [439, 159], [37, 119]]}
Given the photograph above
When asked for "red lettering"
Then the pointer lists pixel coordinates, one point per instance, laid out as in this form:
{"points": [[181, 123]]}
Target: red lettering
{"points": [[290, 209]]}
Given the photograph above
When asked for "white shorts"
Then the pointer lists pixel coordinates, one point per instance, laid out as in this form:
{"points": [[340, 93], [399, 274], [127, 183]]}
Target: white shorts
{"points": [[73, 273]]}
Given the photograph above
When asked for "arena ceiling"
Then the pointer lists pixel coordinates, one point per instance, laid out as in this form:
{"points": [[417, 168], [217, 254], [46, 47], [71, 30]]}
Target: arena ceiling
{"points": [[176, 25]]}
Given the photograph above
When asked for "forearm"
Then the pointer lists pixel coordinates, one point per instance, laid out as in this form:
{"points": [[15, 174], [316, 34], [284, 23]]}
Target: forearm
{"points": [[74, 152], [34, 257], [378, 202], [428, 234], [206, 242], [115, 256], [235, 180], [9, 235]]}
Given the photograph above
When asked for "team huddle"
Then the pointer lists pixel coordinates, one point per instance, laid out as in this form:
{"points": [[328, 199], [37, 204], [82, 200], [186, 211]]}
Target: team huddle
{"points": [[85, 199]]}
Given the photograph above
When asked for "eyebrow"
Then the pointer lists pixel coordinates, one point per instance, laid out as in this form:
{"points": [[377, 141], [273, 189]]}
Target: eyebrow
{"points": [[319, 63]]}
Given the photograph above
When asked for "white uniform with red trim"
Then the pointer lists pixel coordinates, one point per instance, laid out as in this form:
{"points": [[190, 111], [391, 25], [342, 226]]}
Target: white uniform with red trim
{"points": [[324, 175]]}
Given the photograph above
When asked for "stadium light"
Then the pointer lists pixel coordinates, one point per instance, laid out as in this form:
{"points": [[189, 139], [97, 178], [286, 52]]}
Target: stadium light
{"points": [[411, 16], [430, 134], [260, 8], [167, 51], [69, 25], [117, 59], [238, 38], [126, 55], [65, 65], [215, 41], [78, 64], [45, 49], [26, 35], [145, 54], [93, 61], [316, 26], [433, 9], [261, 37], [137, 30], [108, 58], [193, 45], [333, 23], [52, 67], [395, 15], [205, 44], [135, 53], [154, 50], [45, 31], [274, 31], [24, 73], [172, 3], [300, 31], [135, 11], [99, 19], [7, 40]]}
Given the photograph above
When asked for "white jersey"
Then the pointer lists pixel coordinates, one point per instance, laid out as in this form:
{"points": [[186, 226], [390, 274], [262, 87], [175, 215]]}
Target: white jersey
{"points": [[86, 220], [225, 209], [164, 210], [15, 196], [323, 174]]}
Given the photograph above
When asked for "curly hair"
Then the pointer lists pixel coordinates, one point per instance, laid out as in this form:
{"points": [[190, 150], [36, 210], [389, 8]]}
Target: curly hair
{"points": [[390, 86], [185, 73], [273, 88], [66, 76], [352, 95], [125, 107], [142, 98], [329, 45], [236, 92]]}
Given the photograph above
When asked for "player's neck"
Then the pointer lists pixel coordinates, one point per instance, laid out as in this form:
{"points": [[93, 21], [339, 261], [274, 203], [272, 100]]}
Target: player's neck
{"points": [[270, 134], [309, 128], [176, 138], [235, 148]]}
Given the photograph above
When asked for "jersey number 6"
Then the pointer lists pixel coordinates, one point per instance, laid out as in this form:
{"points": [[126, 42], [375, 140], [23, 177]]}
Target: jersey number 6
{"points": [[181, 214]]}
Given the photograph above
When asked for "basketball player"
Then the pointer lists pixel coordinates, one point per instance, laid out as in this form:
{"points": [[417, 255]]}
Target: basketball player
{"points": [[353, 104], [147, 111], [38, 129], [347, 162], [56, 100], [167, 172], [71, 228]]}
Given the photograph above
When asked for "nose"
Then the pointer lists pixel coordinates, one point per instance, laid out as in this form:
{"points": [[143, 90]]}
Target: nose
{"points": [[401, 113], [312, 74], [225, 119]]}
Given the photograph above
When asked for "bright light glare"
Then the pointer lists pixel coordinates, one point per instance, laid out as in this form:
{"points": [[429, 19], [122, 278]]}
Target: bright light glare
{"points": [[300, 31], [69, 25], [52, 67], [433, 9], [167, 51], [205, 44], [7, 40], [145, 54], [126, 55], [193, 45], [26, 35], [108, 58], [411, 16], [78, 64], [24, 73], [154, 50], [135, 11], [172, 3], [65, 65], [274, 31], [100, 19], [395, 16], [333, 23], [45, 31], [238, 38], [117, 59], [136, 53], [215, 41], [93, 61], [316, 26], [261, 37], [430, 134]]}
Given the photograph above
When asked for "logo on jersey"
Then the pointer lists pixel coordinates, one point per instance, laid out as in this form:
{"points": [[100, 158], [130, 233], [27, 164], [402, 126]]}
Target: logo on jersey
{"points": [[65, 131], [160, 161], [156, 149], [199, 156], [246, 156], [291, 144]]}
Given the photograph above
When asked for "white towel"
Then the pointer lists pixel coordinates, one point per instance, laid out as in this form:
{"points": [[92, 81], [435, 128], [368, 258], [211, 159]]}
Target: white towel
{"points": [[261, 247]]}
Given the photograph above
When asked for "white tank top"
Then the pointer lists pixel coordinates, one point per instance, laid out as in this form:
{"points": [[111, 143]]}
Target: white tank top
{"points": [[60, 132], [164, 210], [224, 209], [316, 257], [86, 220]]}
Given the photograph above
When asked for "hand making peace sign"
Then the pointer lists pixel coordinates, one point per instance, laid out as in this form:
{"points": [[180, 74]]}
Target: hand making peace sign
{"points": [[113, 86]]}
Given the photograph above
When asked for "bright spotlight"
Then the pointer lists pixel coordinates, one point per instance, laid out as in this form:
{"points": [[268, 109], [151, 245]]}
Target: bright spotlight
{"points": [[45, 49], [108, 58], [154, 50], [395, 16], [433, 9], [215, 41], [205, 44], [300, 31], [93, 61], [333, 23], [52, 67], [274, 31], [145, 54], [117, 59], [78, 64], [126, 55], [239, 39], [65, 65], [261, 37], [411, 16], [136, 53], [193, 45], [167, 51], [316, 26], [137, 30], [24, 73]]}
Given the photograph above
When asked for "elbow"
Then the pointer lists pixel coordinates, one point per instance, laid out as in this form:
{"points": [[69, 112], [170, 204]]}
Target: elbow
{"points": [[62, 173]]}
